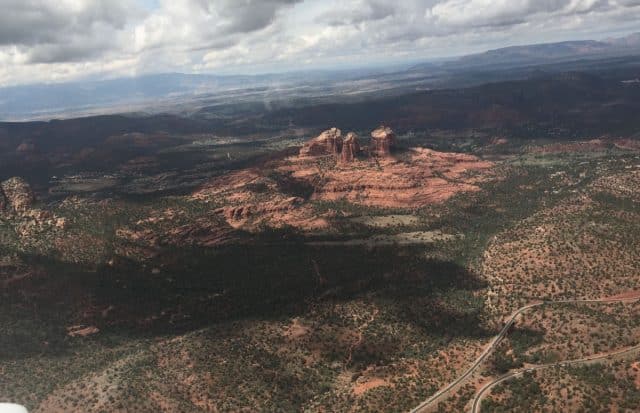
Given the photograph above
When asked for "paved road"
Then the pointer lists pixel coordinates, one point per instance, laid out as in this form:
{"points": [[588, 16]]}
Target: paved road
{"points": [[497, 339], [477, 402]]}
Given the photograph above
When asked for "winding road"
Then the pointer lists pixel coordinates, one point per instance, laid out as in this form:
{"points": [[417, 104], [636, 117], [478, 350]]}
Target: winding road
{"points": [[477, 402], [498, 339]]}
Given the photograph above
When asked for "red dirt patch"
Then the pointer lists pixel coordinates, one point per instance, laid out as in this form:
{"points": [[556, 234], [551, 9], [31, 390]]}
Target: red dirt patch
{"points": [[362, 387], [296, 330]]}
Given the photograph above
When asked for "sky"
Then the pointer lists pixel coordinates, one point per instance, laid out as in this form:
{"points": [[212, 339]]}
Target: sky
{"points": [[64, 40]]}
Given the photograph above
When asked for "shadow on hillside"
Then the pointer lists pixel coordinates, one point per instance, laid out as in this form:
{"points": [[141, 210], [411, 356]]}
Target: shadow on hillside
{"points": [[187, 289]]}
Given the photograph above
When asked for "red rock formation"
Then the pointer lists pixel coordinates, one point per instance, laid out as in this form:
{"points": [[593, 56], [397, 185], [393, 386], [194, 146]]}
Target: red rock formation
{"points": [[328, 142], [350, 148], [383, 140], [243, 212], [423, 177], [163, 228]]}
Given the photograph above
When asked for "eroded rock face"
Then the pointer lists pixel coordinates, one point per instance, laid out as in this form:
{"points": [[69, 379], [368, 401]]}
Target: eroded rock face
{"points": [[331, 142], [248, 199], [328, 142], [350, 148], [244, 212], [422, 177], [383, 140], [18, 195]]}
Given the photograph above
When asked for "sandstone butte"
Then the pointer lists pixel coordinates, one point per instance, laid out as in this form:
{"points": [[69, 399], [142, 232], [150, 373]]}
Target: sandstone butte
{"points": [[350, 148], [419, 177], [328, 142], [383, 140], [331, 142]]}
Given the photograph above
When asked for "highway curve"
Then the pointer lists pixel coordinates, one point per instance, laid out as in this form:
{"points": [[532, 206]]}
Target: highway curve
{"points": [[498, 339], [477, 402]]}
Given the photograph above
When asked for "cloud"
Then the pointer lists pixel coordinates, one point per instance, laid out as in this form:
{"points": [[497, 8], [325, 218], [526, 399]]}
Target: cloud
{"points": [[499, 13], [62, 30], [200, 24], [30, 22], [244, 16], [358, 12], [50, 40]]}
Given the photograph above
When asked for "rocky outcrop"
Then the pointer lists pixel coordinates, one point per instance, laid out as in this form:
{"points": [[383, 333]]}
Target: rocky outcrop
{"points": [[236, 213], [18, 195], [17, 205], [170, 227], [422, 177], [383, 140], [250, 199], [350, 148], [239, 213], [331, 142], [328, 142]]}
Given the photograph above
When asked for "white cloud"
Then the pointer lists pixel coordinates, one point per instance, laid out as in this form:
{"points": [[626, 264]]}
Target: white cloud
{"points": [[63, 30], [51, 40]]}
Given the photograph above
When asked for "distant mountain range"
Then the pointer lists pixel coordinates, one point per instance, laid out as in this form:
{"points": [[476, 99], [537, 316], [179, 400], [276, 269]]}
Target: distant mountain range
{"points": [[545, 53], [186, 92]]}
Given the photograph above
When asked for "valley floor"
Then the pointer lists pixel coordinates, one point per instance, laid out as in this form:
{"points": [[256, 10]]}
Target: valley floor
{"points": [[184, 302]]}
